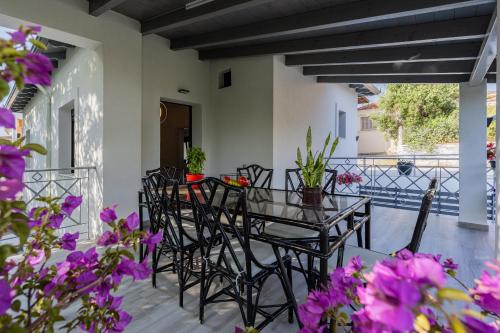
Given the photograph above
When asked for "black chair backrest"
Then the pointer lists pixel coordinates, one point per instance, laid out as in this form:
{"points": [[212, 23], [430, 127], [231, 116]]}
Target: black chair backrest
{"points": [[295, 183], [169, 172], [423, 214], [257, 175], [214, 200], [162, 200]]}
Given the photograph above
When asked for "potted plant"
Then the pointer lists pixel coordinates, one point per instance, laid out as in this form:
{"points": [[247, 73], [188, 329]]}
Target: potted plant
{"points": [[195, 160], [313, 169], [491, 154], [405, 167]]}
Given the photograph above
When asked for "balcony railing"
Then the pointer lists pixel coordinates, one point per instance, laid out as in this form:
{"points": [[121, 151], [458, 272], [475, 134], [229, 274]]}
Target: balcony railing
{"points": [[78, 181], [390, 188]]}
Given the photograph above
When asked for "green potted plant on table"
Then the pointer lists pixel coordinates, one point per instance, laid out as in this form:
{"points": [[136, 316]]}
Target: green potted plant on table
{"points": [[195, 160], [313, 169]]}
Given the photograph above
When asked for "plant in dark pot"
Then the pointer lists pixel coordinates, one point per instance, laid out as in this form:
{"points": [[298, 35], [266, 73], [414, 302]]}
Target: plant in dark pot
{"points": [[313, 169], [195, 160], [405, 167]]}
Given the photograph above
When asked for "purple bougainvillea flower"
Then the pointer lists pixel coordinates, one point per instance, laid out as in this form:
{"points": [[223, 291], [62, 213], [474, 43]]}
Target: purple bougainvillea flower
{"points": [[7, 118], [450, 264], [55, 221], [6, 296], [123, 322], [152, 239], [475, 325], [35, 28], [9, 188], [85, 279], [18, 37], [108, 238], [36, 257], [139, 271], [68, 241], [38, 68], [12, 162], [354, 265], [71, 203], [132, 222], [486, 292], [108, 214]]}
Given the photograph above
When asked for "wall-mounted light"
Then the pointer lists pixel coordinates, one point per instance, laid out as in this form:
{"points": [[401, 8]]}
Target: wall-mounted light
{"points": [[163, 112], [183, 91]]}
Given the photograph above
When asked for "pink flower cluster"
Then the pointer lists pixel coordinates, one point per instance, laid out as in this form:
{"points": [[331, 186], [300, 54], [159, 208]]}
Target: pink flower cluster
{"points": [[395, 292], [491, 151], [348, 178]]}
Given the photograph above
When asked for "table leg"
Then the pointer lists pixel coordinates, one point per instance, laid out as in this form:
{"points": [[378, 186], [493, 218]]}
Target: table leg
{"points": [[141, 226], [368, 212], [323, 261]]}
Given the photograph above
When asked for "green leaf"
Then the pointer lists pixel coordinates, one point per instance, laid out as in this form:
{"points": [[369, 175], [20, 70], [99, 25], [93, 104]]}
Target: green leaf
{"points": [[16, 305], [456, 325], [35, 147], [21, 230], [4, 88], [38, 44], [452, 294], [422, 324], [6, 251], [15, 328]]}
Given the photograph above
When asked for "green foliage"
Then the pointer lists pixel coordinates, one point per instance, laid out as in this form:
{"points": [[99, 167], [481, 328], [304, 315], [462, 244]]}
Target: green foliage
{"points": [[492, 131], [428, 114], [195, 160], [314, 168]]}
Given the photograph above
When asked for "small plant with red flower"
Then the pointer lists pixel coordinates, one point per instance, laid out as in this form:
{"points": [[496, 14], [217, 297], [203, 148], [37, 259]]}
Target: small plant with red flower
{"points": [[349, 178], [491, 151]]}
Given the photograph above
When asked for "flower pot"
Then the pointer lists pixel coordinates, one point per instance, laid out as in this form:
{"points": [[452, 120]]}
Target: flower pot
{"points": [[405, 168], [312, 196], [190, 177], [493, 163]]}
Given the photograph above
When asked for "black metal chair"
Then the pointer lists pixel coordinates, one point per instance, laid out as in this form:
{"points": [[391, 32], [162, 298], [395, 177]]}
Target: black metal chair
{"points": [[369, 257], [295, 183], [257, 175], [245, 264], [180, 238], [169, 172]]}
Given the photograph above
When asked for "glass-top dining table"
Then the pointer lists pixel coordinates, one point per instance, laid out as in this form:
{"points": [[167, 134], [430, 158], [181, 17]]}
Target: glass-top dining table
{"points": [[269, 206]]}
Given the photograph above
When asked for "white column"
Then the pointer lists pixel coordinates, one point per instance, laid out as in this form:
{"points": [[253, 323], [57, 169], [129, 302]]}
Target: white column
{"points": [[472, 213]]}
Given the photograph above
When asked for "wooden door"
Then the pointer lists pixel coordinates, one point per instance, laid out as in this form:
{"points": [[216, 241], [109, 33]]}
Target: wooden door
{"points": [[175, 132]]}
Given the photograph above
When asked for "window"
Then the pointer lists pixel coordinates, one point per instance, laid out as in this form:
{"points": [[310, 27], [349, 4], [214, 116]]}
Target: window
{"points": [[225, 79], [67, 138], [342, 124], [366, 124]]}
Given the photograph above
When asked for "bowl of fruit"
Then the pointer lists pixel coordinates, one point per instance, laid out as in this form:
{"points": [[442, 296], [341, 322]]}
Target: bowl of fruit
{"points": [[241, 181]]}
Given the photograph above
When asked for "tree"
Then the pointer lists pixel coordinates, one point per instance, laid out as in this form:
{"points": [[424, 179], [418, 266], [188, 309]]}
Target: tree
{"points": [[427, 113]]}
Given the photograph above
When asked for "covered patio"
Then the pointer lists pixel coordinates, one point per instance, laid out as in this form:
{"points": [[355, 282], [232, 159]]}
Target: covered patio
{"points": [[243, 80]]}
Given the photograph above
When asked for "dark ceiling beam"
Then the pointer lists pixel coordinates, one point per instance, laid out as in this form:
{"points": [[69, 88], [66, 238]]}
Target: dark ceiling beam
{"points": [[449, 52], [183, 17], [432, 67], [452, 78], [487, 54], [472, 28], [98, 7], [353, 13]]}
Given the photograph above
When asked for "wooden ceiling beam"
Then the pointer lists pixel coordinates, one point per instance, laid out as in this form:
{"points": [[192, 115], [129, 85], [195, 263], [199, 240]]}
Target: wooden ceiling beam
{"points": [[183, 17], [473, 28], [448, 52], [452, 78], [487, 54], [348, 14]]}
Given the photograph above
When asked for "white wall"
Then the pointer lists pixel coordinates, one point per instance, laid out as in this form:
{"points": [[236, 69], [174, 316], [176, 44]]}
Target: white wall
{"points": [[164, 72], [299, 102], [117, 40], [242, 114], [77, 81], [371, 141]]}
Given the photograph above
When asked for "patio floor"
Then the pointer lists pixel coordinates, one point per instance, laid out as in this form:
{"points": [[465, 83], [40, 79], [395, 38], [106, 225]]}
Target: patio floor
{"points": [[157, 310]]}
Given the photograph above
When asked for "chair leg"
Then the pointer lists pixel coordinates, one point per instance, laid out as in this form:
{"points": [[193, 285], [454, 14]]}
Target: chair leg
{"points": [[155, 267], [250, 312], [359, 237], [310, 273], [289, 273], [340, 256], [337, 228], [181, 279], [202, 292]]}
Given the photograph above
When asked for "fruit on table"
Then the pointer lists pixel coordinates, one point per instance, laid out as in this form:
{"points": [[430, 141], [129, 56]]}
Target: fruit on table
{"points": [[243, 181]]}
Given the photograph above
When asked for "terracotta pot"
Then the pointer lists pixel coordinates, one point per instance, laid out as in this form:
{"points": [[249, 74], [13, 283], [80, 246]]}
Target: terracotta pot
{"points": [[312, 196]]}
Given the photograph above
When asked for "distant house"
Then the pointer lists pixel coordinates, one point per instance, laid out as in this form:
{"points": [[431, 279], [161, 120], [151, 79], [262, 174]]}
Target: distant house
{"points": [[371, 141]]}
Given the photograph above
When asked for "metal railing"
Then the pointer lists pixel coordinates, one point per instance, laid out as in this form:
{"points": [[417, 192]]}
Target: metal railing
{"points": [[390, 187], [78, 181]]}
